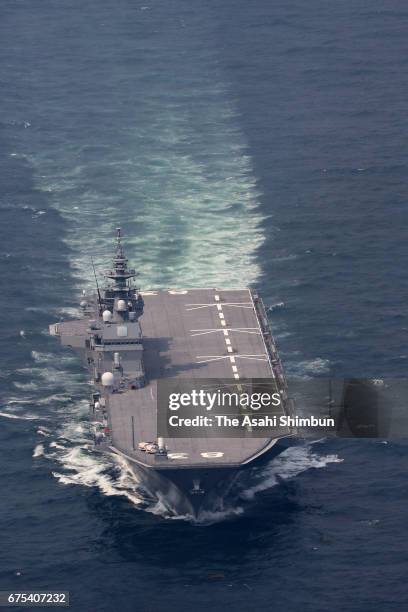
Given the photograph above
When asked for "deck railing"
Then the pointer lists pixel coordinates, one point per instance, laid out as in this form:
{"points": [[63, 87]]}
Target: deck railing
{"points": [[273, 354]]}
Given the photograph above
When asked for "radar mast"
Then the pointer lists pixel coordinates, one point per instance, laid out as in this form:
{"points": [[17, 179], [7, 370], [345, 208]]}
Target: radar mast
{"points": [[119, 273]]}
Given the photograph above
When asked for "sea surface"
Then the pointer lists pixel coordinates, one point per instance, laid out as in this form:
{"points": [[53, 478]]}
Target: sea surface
{"points": [[260, 143]]}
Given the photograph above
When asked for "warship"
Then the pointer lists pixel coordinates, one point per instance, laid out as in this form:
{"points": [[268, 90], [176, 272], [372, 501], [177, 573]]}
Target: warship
{"points": [[131, 339]]}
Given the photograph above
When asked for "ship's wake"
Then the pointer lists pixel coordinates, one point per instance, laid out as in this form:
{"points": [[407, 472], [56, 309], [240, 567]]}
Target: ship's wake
{"points": [[292, 462], [113, 476]]}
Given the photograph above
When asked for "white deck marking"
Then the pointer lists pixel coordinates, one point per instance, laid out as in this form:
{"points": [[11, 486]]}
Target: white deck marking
{"points": [[214, 303], [177, 455], [223, 322], [239, 329], [212, 356], [199, 305], [209, 358], [225, 332], [229, 348], [245, 330], [227, 340], [242, 330], [234, 369], [236, 376], [216, 298], [207, 331], [232, 359], [254, 357], [221, 315]]}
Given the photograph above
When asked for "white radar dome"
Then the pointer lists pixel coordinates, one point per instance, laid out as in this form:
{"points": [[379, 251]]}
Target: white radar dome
{"points": [[121, 306], [107, 379], [107, 316]]}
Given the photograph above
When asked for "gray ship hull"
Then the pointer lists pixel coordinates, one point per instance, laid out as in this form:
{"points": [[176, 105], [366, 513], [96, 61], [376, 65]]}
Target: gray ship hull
{"points": [[193, 490], [130, 340]]}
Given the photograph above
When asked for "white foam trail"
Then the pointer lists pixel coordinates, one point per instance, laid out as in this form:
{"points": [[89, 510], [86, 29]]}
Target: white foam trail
{"points": [[38, 451], [12, 401], [308, 369], [91, 471], [20, 417], [205, 518], [37, 309], [31, 386], [44, 432], [58, 446], [27, 371], [42, 357], [181, 179], [292, 462], [277, 305], [76, 433], [57, 398], [70, 312]]}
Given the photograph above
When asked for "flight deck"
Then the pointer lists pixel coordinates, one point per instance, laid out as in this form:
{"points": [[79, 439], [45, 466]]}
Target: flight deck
{"points": [[194, 333]]}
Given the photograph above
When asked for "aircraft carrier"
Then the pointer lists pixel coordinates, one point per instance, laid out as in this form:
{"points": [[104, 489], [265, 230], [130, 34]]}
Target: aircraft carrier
{"points": [[130, 339]]}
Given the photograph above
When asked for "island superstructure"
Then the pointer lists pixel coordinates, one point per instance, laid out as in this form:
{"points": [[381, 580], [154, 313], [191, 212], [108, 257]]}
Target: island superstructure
{"points": [[130, 339]]}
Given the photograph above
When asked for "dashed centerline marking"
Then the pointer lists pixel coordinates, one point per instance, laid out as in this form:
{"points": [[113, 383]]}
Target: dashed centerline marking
{"points": [[227, 340]]}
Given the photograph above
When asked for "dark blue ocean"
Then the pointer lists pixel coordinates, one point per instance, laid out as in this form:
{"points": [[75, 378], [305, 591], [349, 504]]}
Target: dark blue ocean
{"points": [[260, 143]]}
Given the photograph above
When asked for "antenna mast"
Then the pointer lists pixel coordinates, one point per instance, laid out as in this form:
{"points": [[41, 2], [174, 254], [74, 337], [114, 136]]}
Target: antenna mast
{"points": [[97, 286]]}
